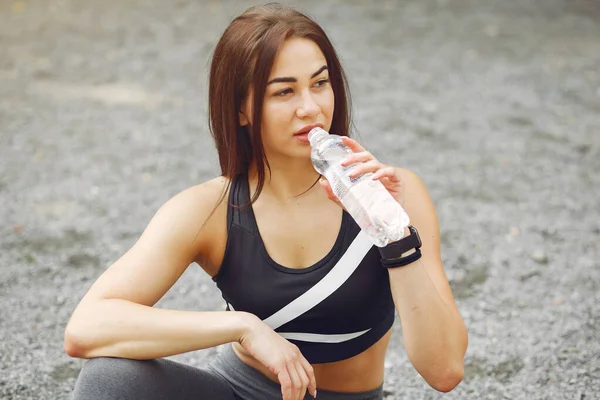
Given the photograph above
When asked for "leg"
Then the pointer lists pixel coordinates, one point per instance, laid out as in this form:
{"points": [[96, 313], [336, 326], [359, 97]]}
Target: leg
{"points": [[118, 378]]}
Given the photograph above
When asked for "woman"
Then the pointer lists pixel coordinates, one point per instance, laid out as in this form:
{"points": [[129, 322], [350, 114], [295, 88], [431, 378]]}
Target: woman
{"points": [[310, 302]]}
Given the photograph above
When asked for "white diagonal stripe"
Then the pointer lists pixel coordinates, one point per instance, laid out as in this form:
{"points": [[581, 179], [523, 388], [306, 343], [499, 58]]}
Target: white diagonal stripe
{"points": [[335, 278], [322, 338]]}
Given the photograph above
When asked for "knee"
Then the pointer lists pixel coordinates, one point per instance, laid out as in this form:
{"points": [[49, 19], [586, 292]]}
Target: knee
{"points": [[108, 378]]}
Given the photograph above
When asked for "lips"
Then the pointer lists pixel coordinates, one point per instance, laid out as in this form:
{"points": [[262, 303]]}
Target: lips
{"points": [[307, 129]]}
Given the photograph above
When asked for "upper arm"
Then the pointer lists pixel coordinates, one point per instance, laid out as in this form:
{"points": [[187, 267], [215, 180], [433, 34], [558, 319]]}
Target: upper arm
{"points": [[423, 216], [170, 242]]}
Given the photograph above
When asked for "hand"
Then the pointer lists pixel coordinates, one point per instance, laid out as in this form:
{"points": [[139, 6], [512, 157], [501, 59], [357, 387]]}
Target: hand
{"points": [[282, 358], [386, 174]]}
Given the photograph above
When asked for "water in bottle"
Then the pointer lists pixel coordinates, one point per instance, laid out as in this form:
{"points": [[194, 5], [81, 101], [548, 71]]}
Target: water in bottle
{"points": [[366, 200]]}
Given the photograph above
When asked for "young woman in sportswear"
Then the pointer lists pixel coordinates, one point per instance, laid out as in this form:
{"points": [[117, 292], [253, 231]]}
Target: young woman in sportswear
{"points": [[310, 301]]}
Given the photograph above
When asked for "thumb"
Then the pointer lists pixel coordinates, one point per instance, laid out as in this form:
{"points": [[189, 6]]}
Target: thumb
{"points": [[327, 187]]}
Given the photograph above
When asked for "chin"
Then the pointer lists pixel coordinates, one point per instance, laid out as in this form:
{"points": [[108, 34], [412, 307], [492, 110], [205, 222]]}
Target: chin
{"points": [[298, 154]]}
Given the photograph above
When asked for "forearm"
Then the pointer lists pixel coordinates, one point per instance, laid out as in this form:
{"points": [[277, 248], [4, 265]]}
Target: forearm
{"points": [[120, 328], [434, 334]]}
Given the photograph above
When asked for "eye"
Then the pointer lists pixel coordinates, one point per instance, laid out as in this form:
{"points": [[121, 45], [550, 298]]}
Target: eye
{"points": [[322, 82], [283, 92]]}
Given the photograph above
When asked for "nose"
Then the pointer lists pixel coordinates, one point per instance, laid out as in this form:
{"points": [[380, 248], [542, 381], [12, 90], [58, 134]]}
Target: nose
{"points": [[308, 106]]}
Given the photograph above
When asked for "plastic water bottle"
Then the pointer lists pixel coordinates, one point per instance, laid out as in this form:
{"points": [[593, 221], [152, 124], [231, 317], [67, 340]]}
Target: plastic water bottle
{"points": [[370, 204]]}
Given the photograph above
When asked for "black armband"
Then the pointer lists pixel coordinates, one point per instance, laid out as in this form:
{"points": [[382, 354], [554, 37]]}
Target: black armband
{"points": [[400, 262], [407, 243]]}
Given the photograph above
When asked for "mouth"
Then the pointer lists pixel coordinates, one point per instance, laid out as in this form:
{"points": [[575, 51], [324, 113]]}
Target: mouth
{"points": [[307, 128]]}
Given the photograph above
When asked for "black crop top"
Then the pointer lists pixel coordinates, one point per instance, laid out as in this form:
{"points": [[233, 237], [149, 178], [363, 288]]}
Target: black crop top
{"points": [[332, 310]]}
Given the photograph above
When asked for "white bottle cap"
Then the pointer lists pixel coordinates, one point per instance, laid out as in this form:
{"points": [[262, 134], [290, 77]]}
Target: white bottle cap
{"points": [[316, 132]]}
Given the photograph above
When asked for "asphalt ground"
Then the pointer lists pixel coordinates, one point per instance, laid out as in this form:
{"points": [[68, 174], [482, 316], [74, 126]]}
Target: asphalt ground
{"points": [[495, 104]]}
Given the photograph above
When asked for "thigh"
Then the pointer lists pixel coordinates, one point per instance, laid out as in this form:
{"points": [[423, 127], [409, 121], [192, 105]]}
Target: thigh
{"points": [[118, 378]]}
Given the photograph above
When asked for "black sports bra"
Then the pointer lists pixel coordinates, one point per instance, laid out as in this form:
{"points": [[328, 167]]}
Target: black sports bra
{"points": [[332, 310]]}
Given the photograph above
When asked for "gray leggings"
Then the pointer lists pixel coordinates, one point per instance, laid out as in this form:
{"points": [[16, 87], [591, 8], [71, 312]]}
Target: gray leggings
{"points": [[226, 378]]}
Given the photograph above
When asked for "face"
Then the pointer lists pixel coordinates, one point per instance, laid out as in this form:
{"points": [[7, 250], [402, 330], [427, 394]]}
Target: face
{"points": [[297, 98]]}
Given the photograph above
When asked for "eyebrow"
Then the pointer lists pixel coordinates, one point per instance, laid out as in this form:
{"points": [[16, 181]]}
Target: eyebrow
{"points": [[291, 79]]}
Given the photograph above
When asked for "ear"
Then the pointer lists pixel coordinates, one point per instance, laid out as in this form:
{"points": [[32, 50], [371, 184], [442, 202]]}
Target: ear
{"points": [[243, 118], [245, 113]]}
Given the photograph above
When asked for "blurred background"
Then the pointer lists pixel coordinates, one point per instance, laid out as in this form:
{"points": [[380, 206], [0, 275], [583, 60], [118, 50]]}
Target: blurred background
{"points": [[495, 104]]}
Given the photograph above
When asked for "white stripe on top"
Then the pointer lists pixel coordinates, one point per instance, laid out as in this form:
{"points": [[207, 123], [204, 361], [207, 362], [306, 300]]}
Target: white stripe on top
{"points": [[331, 282], [322, 338]]}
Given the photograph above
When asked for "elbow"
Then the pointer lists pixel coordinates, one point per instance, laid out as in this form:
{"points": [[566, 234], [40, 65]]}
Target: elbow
{"points": [[448, 380], [75, 343]]}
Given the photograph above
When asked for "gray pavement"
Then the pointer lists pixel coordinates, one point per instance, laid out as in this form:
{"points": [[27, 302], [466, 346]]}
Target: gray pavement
{"points": [[495, 104]]}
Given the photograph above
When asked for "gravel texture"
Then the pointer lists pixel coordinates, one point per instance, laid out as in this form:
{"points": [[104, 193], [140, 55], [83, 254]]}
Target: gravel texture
{"points": [[495, 104]]}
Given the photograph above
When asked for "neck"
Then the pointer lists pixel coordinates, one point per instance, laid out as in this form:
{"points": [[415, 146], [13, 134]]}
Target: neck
{"points": [[286, 179]]}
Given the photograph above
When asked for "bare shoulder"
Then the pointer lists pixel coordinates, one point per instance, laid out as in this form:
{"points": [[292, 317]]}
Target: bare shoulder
{"points": [[407, 175], [193, 206], [195, 201], [178, 226], [172, 240], [202, 214], [415, 190], [191, 211]]}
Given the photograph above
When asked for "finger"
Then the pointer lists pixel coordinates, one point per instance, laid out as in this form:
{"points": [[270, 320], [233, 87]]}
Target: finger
{"points": [[370, 166], [363, 156], [397, 185], [303, 379], [286, 384], [353, 144], [330, 195], [296, 381], [327, 187], [387, 172], [310, 373]]}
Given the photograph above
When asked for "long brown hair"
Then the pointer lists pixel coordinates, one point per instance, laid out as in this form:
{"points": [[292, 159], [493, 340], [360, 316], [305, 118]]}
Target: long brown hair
{"points": [[243, 58]]}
